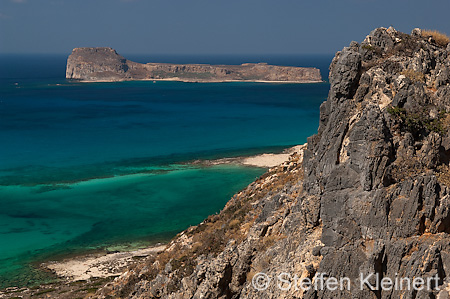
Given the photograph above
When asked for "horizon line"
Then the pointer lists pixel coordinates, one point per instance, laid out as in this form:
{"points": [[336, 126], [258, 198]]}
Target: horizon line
{"points": [[181, 54]]}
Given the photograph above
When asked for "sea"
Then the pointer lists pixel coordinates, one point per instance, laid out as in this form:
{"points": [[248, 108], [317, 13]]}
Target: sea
{"points": [[90, 167]]}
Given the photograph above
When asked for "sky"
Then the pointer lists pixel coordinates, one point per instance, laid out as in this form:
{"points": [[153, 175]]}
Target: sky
{"points": [[207, 26]]}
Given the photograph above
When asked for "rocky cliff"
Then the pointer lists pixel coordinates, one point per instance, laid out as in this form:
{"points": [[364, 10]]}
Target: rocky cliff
{"points": [[369, 195], [104, 64]]}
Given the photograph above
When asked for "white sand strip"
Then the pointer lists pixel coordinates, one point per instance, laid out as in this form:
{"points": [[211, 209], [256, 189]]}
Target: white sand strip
{"points": [[272, 160], [85, 267]]}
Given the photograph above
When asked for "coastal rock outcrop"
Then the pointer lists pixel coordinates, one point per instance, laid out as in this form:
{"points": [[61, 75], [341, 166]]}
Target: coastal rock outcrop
{"points": [[370, 196], [95, 64], [104, 64]]}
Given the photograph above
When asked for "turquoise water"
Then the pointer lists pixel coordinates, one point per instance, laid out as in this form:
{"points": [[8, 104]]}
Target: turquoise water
{"points": [[105, 165], [101, 213]]}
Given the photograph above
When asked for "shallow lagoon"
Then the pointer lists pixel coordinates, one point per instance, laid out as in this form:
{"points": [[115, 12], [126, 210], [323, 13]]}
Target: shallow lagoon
{"points": [[103, 166]]}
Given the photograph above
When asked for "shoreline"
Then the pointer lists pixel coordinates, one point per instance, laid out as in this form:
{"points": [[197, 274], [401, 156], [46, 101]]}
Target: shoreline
{"points": [[84, 274], [263, 160], [99, 265], [177, 79], [104, 264]]}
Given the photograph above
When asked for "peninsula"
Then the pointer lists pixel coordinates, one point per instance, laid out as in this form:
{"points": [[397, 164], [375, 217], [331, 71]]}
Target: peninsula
{"points": [[105, 65]]}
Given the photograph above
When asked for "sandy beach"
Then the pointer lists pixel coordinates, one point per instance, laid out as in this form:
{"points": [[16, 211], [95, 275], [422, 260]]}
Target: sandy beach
{"points": [[101, 265], [272, 160], [261, 160]]}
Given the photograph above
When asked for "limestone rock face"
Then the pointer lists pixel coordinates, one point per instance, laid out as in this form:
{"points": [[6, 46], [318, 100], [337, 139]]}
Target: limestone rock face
{"points": [[369, 195], [104, 64], [95, 63]]}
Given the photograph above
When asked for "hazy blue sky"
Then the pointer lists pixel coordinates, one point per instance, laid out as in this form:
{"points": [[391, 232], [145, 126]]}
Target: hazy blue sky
{"points": [[207, 26]]}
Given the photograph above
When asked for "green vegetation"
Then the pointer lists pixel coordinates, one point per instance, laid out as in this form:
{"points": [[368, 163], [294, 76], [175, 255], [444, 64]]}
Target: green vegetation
{"points": [[374, 49], [435, 125], [419, 122], [440, 38], [396, 111], [367, 47]]}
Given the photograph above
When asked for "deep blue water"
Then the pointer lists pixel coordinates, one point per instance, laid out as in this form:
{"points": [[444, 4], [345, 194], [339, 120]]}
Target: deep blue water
{"points": [[94, 165]]}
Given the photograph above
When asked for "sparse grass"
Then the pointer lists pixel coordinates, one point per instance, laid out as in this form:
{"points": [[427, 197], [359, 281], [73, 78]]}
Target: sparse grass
{"points": [[234, 223], [269, 241], [445, 120], [443, 174], [258, 267], [78, 282], [251, 274], [91, 289], [44, 292], [440, 38], [405, 168], [413, 75]]}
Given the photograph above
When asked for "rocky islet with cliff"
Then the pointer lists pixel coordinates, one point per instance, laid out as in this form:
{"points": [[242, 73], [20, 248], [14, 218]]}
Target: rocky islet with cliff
{"points": [[104, 64]]}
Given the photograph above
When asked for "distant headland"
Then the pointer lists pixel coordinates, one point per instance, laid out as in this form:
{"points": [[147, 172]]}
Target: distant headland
{"points": [[106, 65]]}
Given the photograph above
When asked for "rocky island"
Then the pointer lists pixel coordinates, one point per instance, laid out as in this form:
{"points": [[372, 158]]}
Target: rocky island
{"points": [[104, 64], [367, 199]]}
